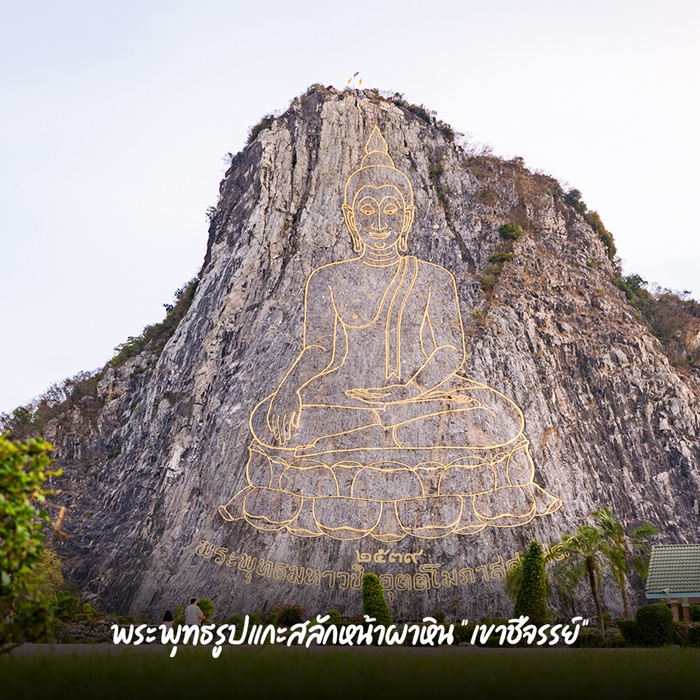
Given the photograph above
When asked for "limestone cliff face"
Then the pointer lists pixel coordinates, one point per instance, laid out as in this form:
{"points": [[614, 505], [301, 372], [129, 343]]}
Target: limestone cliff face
{"points": [[610, 422]]}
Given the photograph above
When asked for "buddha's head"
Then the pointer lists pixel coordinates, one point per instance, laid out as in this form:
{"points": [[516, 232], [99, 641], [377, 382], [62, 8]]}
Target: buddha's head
{"points": [[378, 206]]}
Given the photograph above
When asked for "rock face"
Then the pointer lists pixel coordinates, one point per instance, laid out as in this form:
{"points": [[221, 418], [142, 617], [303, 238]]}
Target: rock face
{"points": [[607, 419]]}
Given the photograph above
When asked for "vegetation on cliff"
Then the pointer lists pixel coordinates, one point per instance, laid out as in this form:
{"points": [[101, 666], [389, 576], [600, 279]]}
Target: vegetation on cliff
{"points": [[154, 337], [673, 317], [81, 391], [573, 199]]}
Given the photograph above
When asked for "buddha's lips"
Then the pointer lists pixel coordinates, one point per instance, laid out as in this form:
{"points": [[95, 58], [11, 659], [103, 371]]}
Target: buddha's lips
{"points": [[380, 235]]}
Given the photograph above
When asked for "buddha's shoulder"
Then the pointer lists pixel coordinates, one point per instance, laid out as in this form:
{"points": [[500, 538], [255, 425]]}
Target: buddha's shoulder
{"points": [[332, 272], [434, 274]]}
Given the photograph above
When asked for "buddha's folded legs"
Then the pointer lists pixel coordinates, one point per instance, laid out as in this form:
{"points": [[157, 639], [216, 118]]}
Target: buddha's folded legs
{"points": [[317, 421], [465, 415], [426, 424], [455, 461]]}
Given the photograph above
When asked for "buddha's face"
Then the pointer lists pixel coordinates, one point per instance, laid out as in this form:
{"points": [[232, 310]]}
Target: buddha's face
{"points": [[380, 216]]}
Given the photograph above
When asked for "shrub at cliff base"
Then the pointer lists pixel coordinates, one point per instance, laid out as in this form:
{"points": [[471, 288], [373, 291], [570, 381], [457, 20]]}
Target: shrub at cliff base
{"points": [[653, 626], [687, 634], [287, 615], [207, 608], [629, 631], [334, 618], [66, 606], [373, 601], [532, 595]]}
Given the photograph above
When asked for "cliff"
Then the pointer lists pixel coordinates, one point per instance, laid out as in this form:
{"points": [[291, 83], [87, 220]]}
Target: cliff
{"points": [[162, 441]]}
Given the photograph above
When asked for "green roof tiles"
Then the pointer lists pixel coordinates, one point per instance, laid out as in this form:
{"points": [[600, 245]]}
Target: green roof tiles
{"points": [[674, 569]]}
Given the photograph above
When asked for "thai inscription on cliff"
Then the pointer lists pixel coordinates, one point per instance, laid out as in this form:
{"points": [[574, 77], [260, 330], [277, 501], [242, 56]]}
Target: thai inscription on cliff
{"points": [[421, 576]]}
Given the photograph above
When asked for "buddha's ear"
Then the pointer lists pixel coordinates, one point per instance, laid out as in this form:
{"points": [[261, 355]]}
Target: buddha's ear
{"points": [[402, 243], [409, 213], [349, 216]]}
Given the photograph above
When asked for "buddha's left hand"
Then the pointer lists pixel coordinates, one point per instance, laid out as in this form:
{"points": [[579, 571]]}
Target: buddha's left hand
{"points": [[393, 393]]}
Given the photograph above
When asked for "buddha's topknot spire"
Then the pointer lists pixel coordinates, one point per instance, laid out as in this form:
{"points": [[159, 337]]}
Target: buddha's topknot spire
{"points": [[376, 142], [377, 150], [377, 169]]}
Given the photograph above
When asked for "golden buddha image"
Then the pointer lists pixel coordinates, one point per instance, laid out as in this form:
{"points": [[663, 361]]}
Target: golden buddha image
{"points": [[373, 431]]}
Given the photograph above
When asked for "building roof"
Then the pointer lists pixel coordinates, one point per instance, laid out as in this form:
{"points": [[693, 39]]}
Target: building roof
{"points": [[674, 570]]}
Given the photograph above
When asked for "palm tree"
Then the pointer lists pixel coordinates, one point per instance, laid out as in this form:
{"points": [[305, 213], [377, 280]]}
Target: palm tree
{"points": [[624, 550], [566, 578], [586, 551]]}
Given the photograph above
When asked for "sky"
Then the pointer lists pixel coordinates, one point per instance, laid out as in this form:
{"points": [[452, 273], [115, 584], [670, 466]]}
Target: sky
{"points": [[116, 115]]}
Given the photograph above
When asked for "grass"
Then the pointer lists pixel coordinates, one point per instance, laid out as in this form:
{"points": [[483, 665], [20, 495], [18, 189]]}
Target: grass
{"points": [[340, 673]]}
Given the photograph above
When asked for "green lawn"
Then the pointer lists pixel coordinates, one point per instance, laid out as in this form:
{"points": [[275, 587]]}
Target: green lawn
{"points": [[290, 673]]}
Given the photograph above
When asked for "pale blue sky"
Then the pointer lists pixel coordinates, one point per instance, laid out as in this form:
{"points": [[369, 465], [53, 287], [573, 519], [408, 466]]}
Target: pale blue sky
{"points": [[115, 116]]}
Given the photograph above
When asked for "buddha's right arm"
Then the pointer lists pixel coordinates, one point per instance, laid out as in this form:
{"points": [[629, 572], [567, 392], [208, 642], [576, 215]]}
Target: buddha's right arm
{"points": [[313, 360], [285, 410], [320, 320]]}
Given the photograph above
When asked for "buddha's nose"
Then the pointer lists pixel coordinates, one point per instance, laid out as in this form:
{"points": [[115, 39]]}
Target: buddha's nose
{"points": [[377, 223]]}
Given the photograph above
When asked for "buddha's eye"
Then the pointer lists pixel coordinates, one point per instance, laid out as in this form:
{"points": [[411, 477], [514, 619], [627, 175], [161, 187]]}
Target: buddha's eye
{"points": [[390, 209], [367, 209]]}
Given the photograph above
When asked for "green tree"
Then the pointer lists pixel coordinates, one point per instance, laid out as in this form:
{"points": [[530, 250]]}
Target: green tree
{"points": [[23, 423], [47, 575], [531, 599], [24, 609], [586, 550], [373, 601], [624, 551], [514, 576]]}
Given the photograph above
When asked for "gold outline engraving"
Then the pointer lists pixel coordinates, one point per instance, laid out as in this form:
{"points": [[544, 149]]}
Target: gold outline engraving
{"points": [[412, 447]]}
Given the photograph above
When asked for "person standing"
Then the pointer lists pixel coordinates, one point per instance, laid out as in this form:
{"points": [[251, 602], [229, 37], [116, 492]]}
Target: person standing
{"points": [[193, 613], [168, 619]]}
